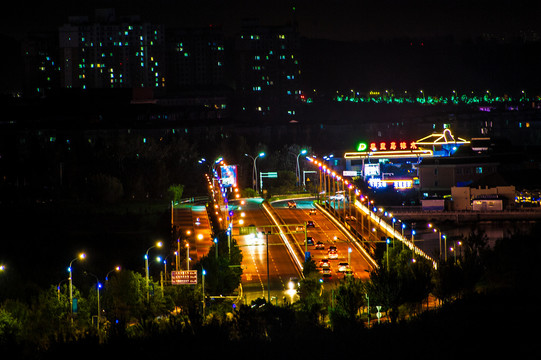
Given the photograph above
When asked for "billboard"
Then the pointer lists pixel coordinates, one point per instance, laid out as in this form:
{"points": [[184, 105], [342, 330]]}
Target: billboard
{"points": [[228, 174]]}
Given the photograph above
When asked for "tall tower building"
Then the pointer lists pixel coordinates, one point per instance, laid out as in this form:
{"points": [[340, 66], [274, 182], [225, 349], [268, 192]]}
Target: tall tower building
{"points": [[268, 73], [196, 58], [111, 53]]}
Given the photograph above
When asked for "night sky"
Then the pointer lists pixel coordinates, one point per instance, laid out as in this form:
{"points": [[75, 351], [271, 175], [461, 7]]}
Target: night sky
{"points": [[332, 19]]}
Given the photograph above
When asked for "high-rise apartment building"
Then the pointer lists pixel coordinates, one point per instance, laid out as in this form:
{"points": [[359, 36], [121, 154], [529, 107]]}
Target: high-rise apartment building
{"points": [[196, 58], [111, 52], [268, 72], [41, 69]]}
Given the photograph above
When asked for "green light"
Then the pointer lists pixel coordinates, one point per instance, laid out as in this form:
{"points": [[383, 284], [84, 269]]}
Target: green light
{"points": [[362, 147]]}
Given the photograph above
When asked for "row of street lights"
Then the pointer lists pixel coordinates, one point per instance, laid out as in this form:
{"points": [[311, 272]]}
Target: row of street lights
{"points": [[262, 154], [82, 256], [371, 213]]}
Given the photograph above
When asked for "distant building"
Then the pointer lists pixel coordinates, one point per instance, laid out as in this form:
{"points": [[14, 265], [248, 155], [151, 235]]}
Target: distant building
{"points": [[268, 73], [41, 66], [483, 199], [439, 175], [111, 52], [196, 59]]}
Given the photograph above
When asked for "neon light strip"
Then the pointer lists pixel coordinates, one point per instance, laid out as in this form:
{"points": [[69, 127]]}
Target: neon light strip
{"points": [[284, 239], [345, 231], [396, 234], [388, 154]]}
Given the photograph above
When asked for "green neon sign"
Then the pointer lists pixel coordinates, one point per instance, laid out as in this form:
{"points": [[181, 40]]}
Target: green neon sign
{"points": [[362, 147]]}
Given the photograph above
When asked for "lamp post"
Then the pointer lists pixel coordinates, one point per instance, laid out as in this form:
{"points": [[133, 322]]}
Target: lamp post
{"points": [[445, 245], [203, 273], [268, 273], [188, 256], [298, 170], [254, 170], [413, 243], [98, 287], [117, 268], [57, 288], [158, 244], [387, 251], [81, 256]]}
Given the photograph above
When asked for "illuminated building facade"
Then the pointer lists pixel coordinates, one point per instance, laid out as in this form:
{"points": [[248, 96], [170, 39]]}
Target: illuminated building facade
{"points": [[111, 52], [41, 68], [196, 58], [268, 73], [396, 163]]}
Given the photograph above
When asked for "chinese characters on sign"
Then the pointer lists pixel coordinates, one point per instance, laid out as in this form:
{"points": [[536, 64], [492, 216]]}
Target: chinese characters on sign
{"points": [[388, 146], [184, 277], [392, 145]]}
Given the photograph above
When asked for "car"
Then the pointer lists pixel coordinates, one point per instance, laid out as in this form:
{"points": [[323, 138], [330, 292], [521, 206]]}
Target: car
{"points": [[333, 252], [320, 246], [325, 264], [292, 204], [342, 267], [312, 211], [350, 218], [310, 240], [338, 197], [326, 274], [310, 223], [299, 228]]}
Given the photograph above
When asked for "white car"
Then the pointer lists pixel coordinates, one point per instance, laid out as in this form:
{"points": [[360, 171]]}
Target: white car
{"points": [[333, 254], [343, 267]]}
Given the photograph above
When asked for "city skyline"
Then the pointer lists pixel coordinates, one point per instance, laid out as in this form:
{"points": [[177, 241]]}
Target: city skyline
{"points": [[337, 20]]}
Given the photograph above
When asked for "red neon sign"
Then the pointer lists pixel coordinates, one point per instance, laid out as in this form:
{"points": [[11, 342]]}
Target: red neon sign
{"points": [[392, 145]]}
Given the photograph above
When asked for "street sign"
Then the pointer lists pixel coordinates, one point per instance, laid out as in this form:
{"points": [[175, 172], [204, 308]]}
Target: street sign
{"points": [[184, 277], [272, 175]]}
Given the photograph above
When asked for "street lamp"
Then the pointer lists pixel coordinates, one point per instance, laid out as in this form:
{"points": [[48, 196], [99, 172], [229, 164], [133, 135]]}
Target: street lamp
{"points": [[81, 256], [188, 256], [158, 244], [98, 287], [203, 273], [117, 268], [298, 170], [254, 169]]}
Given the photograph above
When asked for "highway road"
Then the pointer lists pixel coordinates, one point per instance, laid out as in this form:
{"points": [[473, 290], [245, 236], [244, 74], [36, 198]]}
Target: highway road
{"points": [[325, 231], [254, 248], [281, 264]]}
